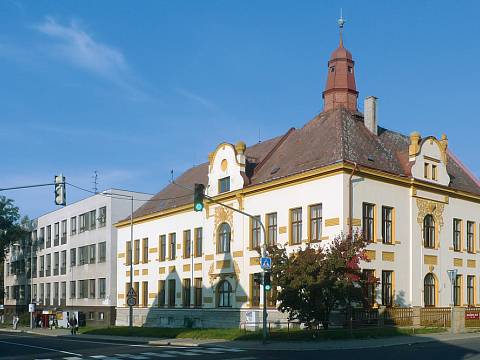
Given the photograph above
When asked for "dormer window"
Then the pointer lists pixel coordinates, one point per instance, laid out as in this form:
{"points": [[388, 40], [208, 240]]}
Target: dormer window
{"points": [[434, 172], [426, 170], [224, 185]]}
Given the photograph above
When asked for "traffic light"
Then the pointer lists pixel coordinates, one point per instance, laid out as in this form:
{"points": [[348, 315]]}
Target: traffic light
{"points": [[60, 193], [267, 281], [198, 197]]}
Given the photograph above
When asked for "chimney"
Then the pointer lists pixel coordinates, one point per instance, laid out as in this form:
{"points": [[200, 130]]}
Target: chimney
{"points": [[370, 114]]}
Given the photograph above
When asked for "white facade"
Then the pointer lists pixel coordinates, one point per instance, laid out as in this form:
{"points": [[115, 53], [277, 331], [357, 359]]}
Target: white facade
{"points": [[401, 259], [74, 256]]}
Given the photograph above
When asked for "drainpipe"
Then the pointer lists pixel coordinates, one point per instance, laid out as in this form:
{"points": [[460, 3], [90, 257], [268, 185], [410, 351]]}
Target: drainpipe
{"points": [[350, 201]]}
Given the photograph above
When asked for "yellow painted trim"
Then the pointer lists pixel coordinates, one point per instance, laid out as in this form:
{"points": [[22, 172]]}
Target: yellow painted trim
{"points": [[208, 257], [371, 254], [355, 222], [161, 270], [136, 272], [127, 273], [222, 264], [237, 254], [144, 271], [282, 229], [471, 263], [171, 269], [375, 223], [457, 262], [152, 250], [254, 261], [121, 296], [388, 256], [430, 260], [186, 267], [241, 299], [394, 227], [152, 295], [121, 255], [332, 222], [197, 267]]}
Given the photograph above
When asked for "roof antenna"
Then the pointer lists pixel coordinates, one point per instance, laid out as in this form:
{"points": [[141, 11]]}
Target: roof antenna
{"points": [[95, 182], [341, 22], [259, 140], [171, 176]]}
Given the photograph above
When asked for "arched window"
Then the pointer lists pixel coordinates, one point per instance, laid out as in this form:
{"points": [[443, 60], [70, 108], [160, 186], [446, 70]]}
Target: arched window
{"points": [[224, 290], [429, 231], [429, 290], [223, 238]]}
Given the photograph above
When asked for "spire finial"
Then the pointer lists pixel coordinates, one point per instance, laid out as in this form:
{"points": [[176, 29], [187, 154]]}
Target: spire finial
{"points": [[341, 22]]}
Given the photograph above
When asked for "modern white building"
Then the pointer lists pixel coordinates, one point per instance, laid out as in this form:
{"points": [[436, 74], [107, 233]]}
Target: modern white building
{"points": [[417, 205], [74, 259]]}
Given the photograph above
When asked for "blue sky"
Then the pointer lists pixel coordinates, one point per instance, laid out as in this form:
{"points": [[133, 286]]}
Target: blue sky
{"points": [[135, 89]]}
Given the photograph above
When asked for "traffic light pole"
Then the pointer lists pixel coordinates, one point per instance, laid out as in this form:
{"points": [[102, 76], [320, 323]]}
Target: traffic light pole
{"points": [[264, 252]]}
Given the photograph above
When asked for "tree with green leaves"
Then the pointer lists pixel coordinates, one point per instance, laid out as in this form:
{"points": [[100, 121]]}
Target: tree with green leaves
{"points": [[13, 228], [318, 279]]}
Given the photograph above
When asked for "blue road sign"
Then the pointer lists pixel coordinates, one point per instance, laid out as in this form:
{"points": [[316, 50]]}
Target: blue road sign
{"points": [[266, 263]]}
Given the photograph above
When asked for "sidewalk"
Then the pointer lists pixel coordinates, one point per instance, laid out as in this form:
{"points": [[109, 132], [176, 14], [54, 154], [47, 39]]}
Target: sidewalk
{"points": [[257, 345]]}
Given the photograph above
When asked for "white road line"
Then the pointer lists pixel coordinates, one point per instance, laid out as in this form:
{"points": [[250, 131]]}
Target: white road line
{"points": [[130, 356], [158, 354], [181, 353], [72, 358], [39, 347], [98, 356], [231, 349], [207, 351]]}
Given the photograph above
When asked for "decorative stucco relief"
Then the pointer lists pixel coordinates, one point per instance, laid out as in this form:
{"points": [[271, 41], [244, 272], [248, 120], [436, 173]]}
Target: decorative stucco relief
{"points": [[433, 208]]}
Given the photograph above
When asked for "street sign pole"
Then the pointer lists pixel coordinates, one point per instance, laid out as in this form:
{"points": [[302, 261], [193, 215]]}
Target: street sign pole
{"points": [[130, 317]]}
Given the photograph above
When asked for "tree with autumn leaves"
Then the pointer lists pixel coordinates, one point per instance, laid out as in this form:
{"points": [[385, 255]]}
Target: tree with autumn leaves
{"points": [[320, 278]]}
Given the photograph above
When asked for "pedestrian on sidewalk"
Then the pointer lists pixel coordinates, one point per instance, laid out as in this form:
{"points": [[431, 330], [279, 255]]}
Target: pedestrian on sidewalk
{"points": [[15, 322], [73, 325]]}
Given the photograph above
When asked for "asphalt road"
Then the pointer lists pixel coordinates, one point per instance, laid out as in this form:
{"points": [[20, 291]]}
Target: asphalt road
{"points": [[24, 346]]}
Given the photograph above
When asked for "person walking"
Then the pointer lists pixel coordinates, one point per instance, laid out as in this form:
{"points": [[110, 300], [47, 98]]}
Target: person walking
{"points": [[73, 325], [15, 322]]}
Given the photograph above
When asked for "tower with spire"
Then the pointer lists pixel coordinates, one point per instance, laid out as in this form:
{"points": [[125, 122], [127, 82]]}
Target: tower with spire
{"points": [[340, 90]]}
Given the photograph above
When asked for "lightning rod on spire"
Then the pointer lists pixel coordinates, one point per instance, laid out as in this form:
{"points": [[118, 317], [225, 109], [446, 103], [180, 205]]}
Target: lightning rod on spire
{"points": [[341, 22]]}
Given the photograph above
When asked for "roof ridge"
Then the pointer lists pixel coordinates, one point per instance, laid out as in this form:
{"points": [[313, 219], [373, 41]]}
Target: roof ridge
{"points": [[277, 145], [464, 168]]}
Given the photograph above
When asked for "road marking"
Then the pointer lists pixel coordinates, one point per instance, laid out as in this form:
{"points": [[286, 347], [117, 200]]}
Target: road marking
{"points": [[157, 354], [130, 356], [206, 351], [182, 353], [98, 356], [231, 349], [39, 347], [72, 358]]}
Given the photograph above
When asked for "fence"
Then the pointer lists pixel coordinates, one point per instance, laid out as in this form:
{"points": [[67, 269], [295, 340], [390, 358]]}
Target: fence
{"points": [[437, 317]]}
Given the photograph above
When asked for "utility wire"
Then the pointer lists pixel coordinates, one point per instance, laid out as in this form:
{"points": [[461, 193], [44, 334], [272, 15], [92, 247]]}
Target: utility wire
{"points": [[126, 197]]}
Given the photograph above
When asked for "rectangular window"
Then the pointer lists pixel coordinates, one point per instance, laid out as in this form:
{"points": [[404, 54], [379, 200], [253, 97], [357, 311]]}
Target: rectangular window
{"points": [[145, 293], [34, 267], [64, 232], [49, 236], [83, 289], [35, 292], [56, 263], [272, 297], [83, 255], [56, 294], [136, 285], [315, 215], [434, 172], [387, 224], [102, 216], [172, 248], [145, 251], [387, 288], [296, 226], [129, 252], [161, 293], [457, 291], [42, 266], [426, 171], [73, 293], [84, 222], [272, 228], [198, 241], [255, 232], [162, 248], [186, 292], [91, 288], [369, 286], [457, 234], [42, 293], [136, 252], [73, 257], [93, 219], [47, 294], [73, 225], [171, 292], [102, 288], [198, 292], [91, 254], [102, 252], [56, 234], [63, 262], [48, 265], [224, 185], [471, 290], [470, 236], [63, 292], [368, 221], [254, 292], [187, 244], [42, 238]]}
